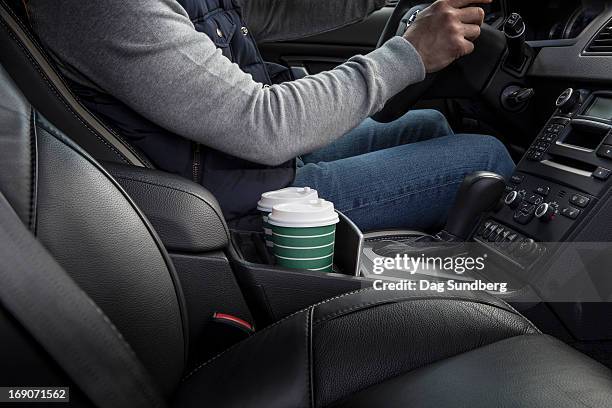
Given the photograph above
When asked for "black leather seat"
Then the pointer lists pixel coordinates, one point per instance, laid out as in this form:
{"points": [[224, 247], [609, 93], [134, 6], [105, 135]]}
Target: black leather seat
{"points": [[362, 349]]}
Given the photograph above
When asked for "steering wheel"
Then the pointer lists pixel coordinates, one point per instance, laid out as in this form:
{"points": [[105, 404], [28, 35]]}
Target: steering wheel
{"points": [[464, 78]]}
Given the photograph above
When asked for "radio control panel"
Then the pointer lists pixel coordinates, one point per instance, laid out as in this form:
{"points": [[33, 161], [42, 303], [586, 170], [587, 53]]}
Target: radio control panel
{"points": [[562, 175]]}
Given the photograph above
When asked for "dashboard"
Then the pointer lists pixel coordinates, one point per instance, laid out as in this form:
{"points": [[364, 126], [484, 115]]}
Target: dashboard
{"points": [[550, 19]]}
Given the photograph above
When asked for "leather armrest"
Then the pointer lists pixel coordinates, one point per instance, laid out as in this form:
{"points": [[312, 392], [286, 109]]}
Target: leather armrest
{"points": [[186, 216]]}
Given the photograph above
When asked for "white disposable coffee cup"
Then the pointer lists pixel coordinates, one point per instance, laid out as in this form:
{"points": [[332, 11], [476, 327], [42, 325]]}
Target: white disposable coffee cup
{"points": [[284, 196], [304, 235]]}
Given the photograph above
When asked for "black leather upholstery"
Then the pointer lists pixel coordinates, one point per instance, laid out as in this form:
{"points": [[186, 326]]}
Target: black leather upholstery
{"points": [[185, 215], [523, 371], [17, 151], [97, 234], [374, 349], [333, 349]]}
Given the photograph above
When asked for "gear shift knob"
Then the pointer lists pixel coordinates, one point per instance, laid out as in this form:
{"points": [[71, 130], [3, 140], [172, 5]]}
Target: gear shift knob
{"points": [[480, 192]]}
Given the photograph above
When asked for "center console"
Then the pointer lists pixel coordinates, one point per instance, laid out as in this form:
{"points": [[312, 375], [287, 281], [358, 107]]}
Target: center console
{"points": [[561, 178], [560, 193]]}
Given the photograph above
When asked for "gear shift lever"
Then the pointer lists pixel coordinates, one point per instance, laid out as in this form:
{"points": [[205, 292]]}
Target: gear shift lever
{"points": [[479, 193]]}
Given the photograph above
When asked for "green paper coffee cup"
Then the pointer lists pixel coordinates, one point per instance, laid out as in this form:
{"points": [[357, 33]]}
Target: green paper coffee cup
{"points": [[284, 196], [304, 235]]}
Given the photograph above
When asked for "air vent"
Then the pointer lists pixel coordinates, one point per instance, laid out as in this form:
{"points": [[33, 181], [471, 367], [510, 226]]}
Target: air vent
{"points": [[602, 43], [562, 193]]}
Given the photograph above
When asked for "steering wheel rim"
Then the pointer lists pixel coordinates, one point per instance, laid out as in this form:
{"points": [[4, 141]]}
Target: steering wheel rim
{"points": [[401, 103]]}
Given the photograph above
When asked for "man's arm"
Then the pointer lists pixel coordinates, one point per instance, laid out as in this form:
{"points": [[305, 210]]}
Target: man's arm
{"points": [[147, 54], [275, 20]]}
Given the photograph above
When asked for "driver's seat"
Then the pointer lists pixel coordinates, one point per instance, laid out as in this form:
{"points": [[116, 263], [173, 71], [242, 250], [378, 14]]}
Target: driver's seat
{"points": [[34, 71], [361, 349]]}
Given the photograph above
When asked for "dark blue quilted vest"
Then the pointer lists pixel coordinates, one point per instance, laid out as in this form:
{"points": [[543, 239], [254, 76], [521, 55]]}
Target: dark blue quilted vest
{"points": [[236, 183]]}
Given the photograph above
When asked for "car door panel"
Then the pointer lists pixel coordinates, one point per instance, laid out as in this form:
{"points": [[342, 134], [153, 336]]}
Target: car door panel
{"points": [[325, 51]]}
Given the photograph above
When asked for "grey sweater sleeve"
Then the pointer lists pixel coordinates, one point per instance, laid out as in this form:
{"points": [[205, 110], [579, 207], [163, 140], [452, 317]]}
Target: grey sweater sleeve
{"points": [[147, 54], [275, 20]]}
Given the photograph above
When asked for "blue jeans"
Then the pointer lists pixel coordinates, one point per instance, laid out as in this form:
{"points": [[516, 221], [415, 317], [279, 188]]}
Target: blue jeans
{"points": [[403, 174]]}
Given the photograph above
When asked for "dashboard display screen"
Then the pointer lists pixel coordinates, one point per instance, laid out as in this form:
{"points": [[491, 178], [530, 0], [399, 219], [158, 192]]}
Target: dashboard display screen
{"points": [[601, 108]]}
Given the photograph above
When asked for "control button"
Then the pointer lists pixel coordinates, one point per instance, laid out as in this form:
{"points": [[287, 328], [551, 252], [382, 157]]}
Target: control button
{"points": [[503, 237], [542, 145], [568, 100], [511, 237], [483, 228], [545, 212], [535, 199], [515, 244], [529, 248], [535, 156], [602, 173], [571, 213], [513, 199], [543, 190], [527, 208], [489, 231], [605, 151], [516, 179], [580, 200], [509, 189], [493, 237], [523, 218]]}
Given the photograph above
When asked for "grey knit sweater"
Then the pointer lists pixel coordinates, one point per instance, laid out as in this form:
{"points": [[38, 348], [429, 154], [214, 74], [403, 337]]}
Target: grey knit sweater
{"points": [[147, 54]]}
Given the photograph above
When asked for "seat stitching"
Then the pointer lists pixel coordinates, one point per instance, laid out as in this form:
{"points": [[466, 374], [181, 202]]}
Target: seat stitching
{"points": [[66, 105], [403, 300], [309, 356], [33, 175], [35, 43], [313, 307], [192, 372]]}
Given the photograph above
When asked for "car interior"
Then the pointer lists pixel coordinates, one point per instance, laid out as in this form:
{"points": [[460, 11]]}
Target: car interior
{"points": [[112, 269]]}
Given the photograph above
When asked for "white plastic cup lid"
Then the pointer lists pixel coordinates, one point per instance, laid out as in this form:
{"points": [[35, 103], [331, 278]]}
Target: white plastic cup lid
{"points": [[286, 195], [314, 213]]}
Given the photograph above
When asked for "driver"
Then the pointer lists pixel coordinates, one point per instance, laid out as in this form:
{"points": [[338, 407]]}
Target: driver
{"points": [[183, 80]]}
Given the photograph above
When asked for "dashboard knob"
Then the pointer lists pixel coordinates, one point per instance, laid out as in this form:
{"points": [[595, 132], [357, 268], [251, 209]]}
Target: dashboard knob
{"points": [[545, 212], [568, 100], [513, 199]]}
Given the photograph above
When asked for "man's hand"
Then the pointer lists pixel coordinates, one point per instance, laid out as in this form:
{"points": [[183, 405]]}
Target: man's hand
{"points": [[445, 31]]}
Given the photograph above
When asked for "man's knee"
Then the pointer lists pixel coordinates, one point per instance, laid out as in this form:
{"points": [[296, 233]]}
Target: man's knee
{"points": [[498, 156], [428, 117], [424, 124]]}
